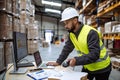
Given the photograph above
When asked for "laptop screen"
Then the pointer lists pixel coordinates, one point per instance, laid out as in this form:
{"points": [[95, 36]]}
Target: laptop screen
{"points": [[37, 57]]}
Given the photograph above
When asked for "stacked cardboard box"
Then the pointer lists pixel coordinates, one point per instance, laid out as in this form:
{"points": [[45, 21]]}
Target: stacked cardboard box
{"points": [[16, 25], [32, 46], [22, 4], [105, 4], [2, 4], [8, 52], [33, 33], [2, 62], [45, 44], [6, 26], [33, 37], [7, 13], [28, 25], [109, 26], [15, 16]]}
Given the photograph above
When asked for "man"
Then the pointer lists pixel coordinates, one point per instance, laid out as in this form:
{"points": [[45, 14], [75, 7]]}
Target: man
{"points": [[87, 42]]}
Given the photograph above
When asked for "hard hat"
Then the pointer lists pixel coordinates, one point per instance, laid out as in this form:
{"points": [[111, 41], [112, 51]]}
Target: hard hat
{"points": [[69, 13]]}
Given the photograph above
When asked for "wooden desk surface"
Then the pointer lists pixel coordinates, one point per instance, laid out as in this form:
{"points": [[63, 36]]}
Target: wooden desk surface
{"points": [[83, 76]]}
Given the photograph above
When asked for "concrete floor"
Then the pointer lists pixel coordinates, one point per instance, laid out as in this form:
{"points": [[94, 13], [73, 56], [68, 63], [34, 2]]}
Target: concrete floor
{"points": [[52, 52]]}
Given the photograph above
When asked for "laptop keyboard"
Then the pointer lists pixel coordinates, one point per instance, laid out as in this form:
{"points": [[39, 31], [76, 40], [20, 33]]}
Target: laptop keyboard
{"points": [[43, 65]]}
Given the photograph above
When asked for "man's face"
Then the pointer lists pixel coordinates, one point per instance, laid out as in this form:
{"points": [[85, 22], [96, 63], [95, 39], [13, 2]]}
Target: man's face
{"points": [[69, 25]]}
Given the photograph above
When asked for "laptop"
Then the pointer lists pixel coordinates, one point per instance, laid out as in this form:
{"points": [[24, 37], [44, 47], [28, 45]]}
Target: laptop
{"points": [[39, 63]]}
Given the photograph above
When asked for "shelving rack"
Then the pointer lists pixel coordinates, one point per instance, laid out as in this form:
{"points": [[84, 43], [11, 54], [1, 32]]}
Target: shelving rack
{"points": [[91, 6]]}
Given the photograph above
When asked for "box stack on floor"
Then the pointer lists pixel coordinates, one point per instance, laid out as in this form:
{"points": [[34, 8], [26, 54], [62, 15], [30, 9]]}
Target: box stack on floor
{"points": [[2, 61], [18, 16], [33, 37], [6, 22], [29, 25]]}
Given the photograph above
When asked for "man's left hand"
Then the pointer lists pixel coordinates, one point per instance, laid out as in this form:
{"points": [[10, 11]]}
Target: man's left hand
{"points": [[72, 62]]}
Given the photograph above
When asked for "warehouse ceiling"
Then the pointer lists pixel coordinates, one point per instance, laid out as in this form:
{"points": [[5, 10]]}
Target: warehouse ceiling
{"points": [[40, 7]]}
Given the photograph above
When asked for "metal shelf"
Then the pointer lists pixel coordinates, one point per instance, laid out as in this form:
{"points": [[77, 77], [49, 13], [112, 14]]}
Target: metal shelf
{"points": [[87, 7], [108, 9], [9, 13], [112, 36]]}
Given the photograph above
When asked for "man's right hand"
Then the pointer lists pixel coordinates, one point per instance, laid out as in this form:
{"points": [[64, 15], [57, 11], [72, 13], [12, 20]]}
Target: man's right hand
{"points": [[52, 64]]}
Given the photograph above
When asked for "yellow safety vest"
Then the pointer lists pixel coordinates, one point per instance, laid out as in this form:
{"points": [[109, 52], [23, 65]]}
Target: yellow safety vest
{"points": [[82, 47]]}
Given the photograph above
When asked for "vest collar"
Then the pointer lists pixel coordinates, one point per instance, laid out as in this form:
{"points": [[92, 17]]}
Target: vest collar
{"points": [[77, 33]]}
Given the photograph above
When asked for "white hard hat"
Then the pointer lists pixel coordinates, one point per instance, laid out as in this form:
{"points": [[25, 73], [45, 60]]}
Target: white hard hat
{"points": [[69, 13]]}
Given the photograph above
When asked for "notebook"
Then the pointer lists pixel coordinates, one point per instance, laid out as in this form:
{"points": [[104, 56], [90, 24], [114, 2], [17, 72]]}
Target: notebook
{"points": [[38, 61]]}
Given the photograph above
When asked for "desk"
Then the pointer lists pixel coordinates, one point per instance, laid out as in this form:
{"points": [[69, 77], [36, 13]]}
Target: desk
{"points": [[79, 75]]}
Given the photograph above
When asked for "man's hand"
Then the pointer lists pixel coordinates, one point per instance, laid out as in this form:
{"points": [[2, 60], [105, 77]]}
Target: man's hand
{"points": [[52, 64], [72, 62]]}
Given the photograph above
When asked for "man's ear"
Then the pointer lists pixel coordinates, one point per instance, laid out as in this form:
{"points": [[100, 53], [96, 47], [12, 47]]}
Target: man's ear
{"points": [[75, 20]]}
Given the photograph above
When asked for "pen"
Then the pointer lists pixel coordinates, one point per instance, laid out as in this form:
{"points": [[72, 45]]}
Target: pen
{"points": [[39, 71], [31, 70]]}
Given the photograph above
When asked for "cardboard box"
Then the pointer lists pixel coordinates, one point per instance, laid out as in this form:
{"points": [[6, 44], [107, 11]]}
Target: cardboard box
{"points": [[45, 44], [32, 46], [32, 34], [6, 26], [2, 61], [109, 26], [22, 4], [8, 52], [3, 4], [116, 28]]}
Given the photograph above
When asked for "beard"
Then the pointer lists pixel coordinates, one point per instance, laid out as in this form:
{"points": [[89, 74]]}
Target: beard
{"points": [[72, 28]]}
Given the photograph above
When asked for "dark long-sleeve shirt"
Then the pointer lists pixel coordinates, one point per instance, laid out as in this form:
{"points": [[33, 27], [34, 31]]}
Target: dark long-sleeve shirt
{"points": [[93, 46]]}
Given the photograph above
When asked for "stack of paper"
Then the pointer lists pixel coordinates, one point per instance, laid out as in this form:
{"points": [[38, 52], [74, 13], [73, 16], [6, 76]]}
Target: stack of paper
{"points": [[56, 75], [39, 75]]}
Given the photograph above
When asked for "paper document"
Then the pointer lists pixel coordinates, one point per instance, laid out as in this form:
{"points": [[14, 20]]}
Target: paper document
{"points": [[56, 75], [39, 75]]}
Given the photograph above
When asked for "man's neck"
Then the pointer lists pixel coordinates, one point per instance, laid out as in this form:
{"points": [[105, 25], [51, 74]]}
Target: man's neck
{"points": [[77, 27]]}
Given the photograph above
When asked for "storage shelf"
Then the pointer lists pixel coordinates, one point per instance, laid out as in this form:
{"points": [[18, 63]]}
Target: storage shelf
{"points": [[6, 40], [78, 4], [112, 36], [110, 6], [9, 13], [108, 9], [86, 7]]}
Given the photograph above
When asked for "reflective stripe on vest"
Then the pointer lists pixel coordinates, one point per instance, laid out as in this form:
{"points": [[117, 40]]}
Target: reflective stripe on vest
{"points": [[82, 47], [100, 59]]}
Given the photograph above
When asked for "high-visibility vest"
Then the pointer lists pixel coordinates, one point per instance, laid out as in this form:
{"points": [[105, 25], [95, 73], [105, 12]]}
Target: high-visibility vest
{"points": [[82, 47]]}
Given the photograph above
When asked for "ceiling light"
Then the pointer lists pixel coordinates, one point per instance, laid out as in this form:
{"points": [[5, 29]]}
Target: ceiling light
{"points": [[51, 3], [52, 10]]}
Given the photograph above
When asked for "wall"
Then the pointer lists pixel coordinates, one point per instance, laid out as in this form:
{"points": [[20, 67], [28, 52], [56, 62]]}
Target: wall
{"points": [[49, 23]]}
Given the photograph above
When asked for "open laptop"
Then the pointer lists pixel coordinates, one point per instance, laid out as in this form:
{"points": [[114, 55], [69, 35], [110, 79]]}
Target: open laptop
{"points": [[39, 63]]}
